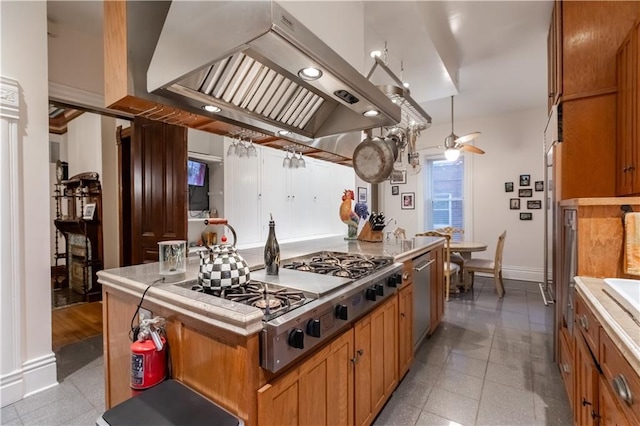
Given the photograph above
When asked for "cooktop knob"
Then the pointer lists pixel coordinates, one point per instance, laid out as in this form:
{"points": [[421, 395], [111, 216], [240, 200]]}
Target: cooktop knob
{"points": [[313, 327], [296, 338], [392, 281], [341, 312], [379, 289], [370, 294]]}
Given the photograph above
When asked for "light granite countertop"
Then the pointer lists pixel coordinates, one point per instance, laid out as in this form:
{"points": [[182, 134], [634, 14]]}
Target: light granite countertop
{"points": [[174, 291], [619, 325]]}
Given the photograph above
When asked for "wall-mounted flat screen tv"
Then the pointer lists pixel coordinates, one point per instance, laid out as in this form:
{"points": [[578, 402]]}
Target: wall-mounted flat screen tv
{"points": [[196, 172]]}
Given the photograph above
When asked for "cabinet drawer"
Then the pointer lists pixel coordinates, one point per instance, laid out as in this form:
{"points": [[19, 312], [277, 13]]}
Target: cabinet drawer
{"points": [[407, 272], [587, 324], [621, 377]]}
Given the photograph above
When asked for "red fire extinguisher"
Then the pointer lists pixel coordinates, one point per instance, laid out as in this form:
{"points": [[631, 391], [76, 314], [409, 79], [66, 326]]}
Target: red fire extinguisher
{"points": [[148, 355]]}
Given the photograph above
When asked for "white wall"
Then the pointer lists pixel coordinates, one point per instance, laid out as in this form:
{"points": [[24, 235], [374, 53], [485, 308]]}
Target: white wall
{"points": [[84, 144], [78, 60], [513, 146], [27, 364]]}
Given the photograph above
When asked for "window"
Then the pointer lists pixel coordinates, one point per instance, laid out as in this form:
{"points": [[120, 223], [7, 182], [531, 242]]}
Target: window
{"points": [[444, 194]]}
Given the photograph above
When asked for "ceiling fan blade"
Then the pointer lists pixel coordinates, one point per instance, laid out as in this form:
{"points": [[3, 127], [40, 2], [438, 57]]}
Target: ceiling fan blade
{"points": [[467, 138], [435, 146], [470, 148]]}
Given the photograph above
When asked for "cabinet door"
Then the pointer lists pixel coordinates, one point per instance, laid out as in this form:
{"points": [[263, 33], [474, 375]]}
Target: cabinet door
{"points": [[300, 199], [627, 149], [318, 392], [275, 197], [376, 360], [586, 401], [567, 368], [405, 329], [610, 412]]}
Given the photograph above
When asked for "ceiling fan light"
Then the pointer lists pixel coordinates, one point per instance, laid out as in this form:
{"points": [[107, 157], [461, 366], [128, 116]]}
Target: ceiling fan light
{"points": [[451, 154]]}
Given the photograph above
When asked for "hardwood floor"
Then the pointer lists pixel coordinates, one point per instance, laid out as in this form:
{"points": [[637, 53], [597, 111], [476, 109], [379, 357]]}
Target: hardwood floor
{"points": [[75, 323]]}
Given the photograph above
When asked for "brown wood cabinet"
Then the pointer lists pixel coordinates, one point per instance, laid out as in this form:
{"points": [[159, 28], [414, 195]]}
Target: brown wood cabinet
{"points": [[319, 391], [603, 378], [586, 396], [582, 77], [405, 328], [567, 371], [628, 115], [554, 55], [375, 360]]}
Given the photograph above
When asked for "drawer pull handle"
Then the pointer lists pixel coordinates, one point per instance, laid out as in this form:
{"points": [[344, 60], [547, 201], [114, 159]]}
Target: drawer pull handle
{"points": [[565, 368], [621, 387], [405, 276], [585, 402], [424, 266], [584, 322]]}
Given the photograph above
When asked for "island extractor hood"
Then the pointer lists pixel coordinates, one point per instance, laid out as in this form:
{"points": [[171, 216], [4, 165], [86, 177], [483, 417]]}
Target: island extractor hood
{"points": [[246, 58]]}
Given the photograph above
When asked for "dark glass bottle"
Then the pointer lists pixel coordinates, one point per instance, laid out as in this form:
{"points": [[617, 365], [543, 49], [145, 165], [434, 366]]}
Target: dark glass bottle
{"points": [[272, 250]]}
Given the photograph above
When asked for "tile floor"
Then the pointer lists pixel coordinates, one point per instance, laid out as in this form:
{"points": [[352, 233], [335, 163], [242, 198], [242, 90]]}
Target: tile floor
{"points": [[489, 363]]}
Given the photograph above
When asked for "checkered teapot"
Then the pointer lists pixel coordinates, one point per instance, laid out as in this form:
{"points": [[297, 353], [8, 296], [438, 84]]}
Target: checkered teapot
{"points": [[221, 267]]}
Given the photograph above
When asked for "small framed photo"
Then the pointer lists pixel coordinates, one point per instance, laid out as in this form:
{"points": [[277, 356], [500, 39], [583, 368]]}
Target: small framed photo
{"points": [[398, 176], [362, 195], [395, 190], [539, 185], [89, 211], [525, 193], [526, 216], [508, 187], [514, 203], [408, 200], [525, 180], [534, 204]]}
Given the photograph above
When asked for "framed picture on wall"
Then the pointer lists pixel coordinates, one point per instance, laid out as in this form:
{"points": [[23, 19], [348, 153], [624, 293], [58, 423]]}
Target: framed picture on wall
{"points": [[539, 185], [525, 193], [508, 187], [514, 203], [395, 190], [526, 216], [362, 195], [408, 200], [398, 176], [525, 180], [534, 204]]}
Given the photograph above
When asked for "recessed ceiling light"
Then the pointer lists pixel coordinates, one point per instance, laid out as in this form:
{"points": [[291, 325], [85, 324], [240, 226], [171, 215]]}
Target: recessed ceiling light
{"points": [[375, 53], [371, 113], [284, 132], [310, 73], [211, 108]]}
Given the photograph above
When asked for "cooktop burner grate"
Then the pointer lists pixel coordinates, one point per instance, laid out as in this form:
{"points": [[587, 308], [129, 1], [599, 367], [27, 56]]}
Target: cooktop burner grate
{"points": [[339, 264], [272, 300]]}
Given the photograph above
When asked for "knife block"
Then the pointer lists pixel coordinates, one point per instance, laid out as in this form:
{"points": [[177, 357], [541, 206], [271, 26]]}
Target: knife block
{"points": [[368, 234]]}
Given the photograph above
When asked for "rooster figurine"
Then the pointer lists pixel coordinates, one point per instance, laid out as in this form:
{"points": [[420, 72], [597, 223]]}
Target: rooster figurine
{"points": [[348, 216]]}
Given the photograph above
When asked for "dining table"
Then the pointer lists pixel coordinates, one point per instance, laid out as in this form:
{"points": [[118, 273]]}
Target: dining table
{"points": [[465, 248]]}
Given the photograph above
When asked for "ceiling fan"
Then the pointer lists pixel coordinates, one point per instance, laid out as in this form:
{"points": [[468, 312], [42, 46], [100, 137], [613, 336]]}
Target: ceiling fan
{"points": [[453, 143]]}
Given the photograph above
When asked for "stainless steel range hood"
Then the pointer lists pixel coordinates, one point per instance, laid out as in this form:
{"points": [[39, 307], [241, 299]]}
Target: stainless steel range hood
{"points": [[245, 57]]}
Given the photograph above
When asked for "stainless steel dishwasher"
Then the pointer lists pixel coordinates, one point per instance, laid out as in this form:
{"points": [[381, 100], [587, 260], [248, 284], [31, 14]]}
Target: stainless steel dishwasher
{"points": [[421, 297]]}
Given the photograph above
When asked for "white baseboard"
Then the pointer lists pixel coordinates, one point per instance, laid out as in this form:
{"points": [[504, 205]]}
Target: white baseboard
{"points": [[36, 375], [39, 374], [521, 273]]}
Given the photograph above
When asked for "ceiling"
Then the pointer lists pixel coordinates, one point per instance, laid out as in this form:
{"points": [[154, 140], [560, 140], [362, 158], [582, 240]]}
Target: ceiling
{"points": [[490, 54]]}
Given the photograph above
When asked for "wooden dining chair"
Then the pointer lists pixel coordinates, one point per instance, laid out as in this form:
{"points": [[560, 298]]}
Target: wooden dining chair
{"points": [[449, 267], [455, 257], [489, 266]]}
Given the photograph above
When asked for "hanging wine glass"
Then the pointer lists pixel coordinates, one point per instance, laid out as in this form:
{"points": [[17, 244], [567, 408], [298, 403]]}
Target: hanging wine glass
{"points": [[232, 148], [241, 149], [251, 149], [286, 163], [301, 163], [295, 163]]}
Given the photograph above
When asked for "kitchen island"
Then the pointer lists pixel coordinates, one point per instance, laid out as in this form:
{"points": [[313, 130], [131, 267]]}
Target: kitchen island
{"points": [[215, 343]]}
